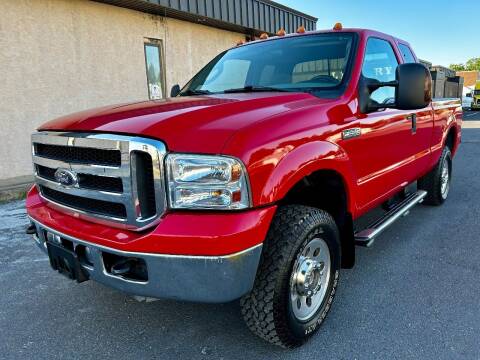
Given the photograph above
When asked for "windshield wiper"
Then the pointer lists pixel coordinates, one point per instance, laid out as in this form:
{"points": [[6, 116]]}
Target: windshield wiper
{"points": [[251, 88], [195, 92]]}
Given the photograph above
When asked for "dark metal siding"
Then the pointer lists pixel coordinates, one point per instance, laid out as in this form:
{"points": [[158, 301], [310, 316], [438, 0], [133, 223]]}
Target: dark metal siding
{"points": [[247, 16]]}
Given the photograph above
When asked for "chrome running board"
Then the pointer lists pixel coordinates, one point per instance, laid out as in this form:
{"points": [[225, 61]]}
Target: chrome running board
{"points": [[367, 236]]}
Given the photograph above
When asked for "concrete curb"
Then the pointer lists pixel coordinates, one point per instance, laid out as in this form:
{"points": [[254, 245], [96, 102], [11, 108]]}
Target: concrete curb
{"points": [[15, 188]]}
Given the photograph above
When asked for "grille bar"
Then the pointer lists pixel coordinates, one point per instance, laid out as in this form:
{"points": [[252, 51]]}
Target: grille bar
{"points": [[143, 182], [86, 181], [120, 179], [87, 193], [79, 155], [93, 206], [81, 168], [102, 183]]}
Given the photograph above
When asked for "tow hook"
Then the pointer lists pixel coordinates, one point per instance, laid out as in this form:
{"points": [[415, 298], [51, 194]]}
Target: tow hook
{"points": [[128, 268], [123, 267], [31, 229]]}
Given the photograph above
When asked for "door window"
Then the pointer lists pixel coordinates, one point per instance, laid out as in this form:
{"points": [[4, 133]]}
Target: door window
{"points": [[380, 63], [406, 53]]}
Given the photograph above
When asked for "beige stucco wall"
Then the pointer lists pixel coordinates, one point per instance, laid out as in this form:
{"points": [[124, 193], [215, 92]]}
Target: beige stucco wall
{"points": [[62, 56]]}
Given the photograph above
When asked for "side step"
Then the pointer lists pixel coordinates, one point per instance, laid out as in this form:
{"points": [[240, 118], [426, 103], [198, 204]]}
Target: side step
{"points": [[367, 236]]}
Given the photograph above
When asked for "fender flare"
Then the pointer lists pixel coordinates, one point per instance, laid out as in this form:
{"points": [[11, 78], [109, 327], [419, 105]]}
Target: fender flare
{"points": [[305, 160], [456, 128]]}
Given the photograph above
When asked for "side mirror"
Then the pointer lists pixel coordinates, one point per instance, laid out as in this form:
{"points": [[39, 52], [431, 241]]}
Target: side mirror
{"points": [[413, 89], [175, 90]]}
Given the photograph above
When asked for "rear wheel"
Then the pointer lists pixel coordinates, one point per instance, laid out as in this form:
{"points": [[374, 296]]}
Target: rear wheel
{"points": [[297, 277], [437, 181]]}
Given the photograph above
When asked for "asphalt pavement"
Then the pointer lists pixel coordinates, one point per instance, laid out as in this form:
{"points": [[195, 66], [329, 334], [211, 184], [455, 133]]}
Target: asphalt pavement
{"points": [[414, 295]]}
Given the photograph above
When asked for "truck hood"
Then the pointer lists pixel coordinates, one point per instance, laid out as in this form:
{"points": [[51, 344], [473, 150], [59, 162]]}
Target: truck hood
{"points": [[188, 124]]}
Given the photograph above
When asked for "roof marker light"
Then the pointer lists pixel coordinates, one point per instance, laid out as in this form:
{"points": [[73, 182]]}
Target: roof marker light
{"points": [[301, 29], [281, 32], [338, 26], [264, 36]]}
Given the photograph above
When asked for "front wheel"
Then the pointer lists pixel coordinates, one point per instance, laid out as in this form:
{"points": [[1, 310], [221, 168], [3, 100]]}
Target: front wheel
{"points": [[297, 276], [437, 181]]}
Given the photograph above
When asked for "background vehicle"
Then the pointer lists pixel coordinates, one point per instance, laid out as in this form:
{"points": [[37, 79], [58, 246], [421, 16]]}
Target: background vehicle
{"points": [[467, 101], [252, 182], [476, 96]]}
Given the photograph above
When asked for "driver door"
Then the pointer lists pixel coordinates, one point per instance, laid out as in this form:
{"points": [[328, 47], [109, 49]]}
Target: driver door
{"points": [[381, 147]]}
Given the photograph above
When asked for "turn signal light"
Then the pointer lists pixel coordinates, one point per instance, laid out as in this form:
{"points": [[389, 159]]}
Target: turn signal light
{"points": [[281, 32], [301, 29], [338, 26], [264, 36]]}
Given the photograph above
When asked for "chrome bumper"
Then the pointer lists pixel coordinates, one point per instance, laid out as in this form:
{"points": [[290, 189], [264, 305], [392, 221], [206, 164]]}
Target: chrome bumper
{"points": [[211, 279]]}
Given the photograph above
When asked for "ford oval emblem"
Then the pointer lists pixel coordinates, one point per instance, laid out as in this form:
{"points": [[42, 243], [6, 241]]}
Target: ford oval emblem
{"points": [[66, 177]]}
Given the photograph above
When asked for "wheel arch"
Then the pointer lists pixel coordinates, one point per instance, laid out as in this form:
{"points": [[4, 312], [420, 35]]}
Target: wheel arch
{"points": [[319, 174], [302, 162], [451, 139], [323, 169], [326, 189]]}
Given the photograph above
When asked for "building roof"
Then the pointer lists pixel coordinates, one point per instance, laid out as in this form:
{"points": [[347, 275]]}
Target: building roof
{"points": [[246, 16], [470, 77], [427, 63]]}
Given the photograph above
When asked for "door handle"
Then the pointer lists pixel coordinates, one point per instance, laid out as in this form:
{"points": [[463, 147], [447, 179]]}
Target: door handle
{"points": [[413, 119]]}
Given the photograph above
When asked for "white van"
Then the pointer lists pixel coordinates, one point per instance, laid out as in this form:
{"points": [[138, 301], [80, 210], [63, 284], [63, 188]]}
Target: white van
{"points": [[467, 101]]}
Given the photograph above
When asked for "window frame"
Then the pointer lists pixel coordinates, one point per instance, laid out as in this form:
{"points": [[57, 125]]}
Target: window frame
{"points": [[161, 55]]}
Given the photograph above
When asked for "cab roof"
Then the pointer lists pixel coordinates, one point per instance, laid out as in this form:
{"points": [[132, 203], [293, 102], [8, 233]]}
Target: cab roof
{"points": [[362, 32]]}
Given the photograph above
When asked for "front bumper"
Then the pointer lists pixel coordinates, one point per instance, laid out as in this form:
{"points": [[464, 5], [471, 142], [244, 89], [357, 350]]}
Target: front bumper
{"points": [[192, 233], [210, 279]]}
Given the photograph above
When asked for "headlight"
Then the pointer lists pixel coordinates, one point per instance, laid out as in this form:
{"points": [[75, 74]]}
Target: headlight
{"points": [[206, 182]]}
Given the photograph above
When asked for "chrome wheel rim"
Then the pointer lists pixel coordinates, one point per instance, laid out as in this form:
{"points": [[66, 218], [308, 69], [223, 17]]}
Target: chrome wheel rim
{"points": [[445, 179], [310, 278]]}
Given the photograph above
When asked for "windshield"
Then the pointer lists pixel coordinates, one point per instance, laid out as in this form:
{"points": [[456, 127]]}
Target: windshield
{"points": [[300, 63], [476, 92]]}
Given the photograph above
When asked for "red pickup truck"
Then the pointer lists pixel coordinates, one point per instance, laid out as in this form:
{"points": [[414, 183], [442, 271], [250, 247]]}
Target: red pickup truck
{"points": [[251, 181]]}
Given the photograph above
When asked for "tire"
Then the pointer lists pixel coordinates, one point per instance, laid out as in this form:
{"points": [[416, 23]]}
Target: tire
{"points": [[269, 309], [432, 182]]}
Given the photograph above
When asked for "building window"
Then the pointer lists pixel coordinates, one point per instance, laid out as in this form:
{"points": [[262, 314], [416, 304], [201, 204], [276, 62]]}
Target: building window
{"points": [[155, 73]]}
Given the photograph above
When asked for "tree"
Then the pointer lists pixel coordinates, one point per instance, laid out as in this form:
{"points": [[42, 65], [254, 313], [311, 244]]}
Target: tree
{"points": [[471, 65], [457, 67]]}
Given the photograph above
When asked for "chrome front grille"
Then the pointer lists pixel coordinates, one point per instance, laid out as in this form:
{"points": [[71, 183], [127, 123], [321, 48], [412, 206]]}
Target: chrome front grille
{"points": [[118, 180]]}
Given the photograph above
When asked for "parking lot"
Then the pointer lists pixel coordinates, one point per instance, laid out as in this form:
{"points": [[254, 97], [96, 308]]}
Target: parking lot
{"points": [[414, 294]]}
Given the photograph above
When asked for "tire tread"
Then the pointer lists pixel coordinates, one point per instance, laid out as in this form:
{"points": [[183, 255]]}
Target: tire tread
{"points": [[432, 181], [263, 316]]}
